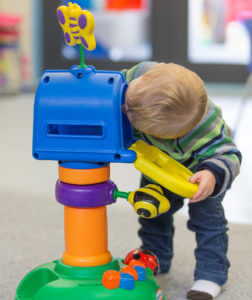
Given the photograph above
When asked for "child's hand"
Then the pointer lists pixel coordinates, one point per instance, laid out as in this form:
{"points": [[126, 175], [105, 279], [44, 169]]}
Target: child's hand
{"points": [[206, 181]]}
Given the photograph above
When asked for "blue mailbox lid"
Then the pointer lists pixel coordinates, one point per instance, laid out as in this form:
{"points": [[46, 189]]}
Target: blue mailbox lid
{"points": [[78, 117]]}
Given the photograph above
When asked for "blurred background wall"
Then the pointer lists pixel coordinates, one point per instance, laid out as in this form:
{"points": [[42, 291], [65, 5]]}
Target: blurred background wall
{"points": [[17, 45], [23, 8], [203, 35]]}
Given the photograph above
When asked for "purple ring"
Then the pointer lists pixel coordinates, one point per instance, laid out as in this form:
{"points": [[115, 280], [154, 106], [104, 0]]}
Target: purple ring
{"points": [[93, 195]]}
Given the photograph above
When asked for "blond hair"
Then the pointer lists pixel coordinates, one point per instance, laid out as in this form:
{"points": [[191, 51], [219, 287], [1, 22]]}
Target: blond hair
{"points": [[168, 101]]}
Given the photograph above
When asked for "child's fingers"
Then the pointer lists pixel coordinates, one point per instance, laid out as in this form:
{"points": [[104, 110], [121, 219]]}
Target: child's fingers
{"points": [[195, 178], [206, 185], [200, 194], [196, 197]]}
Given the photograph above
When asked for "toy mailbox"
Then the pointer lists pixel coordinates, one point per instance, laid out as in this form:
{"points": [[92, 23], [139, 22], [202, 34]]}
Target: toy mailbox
{"points": [[78, 117]]}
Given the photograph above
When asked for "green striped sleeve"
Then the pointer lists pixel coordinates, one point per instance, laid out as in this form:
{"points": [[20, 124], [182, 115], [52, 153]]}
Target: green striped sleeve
{"points": [[138, 70], [202, 128]]}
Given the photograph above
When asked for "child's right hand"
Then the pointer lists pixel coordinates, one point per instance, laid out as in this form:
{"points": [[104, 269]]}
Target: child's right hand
{"points": [[206, 181]]}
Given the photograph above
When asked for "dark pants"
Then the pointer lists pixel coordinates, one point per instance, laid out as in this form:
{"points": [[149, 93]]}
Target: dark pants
{"points": [[207, 220]]}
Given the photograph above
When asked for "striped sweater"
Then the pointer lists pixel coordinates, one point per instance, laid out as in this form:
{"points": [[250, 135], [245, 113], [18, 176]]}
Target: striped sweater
{"points": [[208, 146]]}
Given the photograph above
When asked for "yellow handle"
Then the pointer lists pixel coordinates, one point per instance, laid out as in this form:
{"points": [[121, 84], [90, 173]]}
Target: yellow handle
{"points": [[163, 169]]}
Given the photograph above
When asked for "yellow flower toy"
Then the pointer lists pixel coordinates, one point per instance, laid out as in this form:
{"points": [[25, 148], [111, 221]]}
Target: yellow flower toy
{"points": [[78, 26]]}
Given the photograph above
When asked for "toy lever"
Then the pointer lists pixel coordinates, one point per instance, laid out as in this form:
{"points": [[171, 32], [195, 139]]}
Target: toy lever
{"points": [[163, 169]]}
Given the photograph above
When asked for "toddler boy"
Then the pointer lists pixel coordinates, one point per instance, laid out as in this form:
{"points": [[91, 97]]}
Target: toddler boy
{"points": [[168, 107]]}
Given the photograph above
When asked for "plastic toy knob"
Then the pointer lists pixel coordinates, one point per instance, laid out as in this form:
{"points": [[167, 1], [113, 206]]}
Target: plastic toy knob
{"points": [[141, 273], [127, 281], [111, 279], [136, 263], [131, 271]]}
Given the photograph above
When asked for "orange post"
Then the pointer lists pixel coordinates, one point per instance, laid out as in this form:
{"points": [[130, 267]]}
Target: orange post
{"points": [[86, 236], [83, 177]]}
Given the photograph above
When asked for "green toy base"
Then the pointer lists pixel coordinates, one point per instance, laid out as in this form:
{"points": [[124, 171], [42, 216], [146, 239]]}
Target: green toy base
{"points": [[57, 281]]}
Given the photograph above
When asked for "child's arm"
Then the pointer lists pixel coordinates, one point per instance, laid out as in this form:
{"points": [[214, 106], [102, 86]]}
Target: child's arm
{"points": [[221, 160]]}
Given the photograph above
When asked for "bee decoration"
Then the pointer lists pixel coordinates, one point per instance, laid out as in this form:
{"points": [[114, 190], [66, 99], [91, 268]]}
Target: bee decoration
{"points": [[149, 201]]}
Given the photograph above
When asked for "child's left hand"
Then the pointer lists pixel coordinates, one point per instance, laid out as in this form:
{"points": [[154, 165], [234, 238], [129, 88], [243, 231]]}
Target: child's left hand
{"points": [[206, 181]]}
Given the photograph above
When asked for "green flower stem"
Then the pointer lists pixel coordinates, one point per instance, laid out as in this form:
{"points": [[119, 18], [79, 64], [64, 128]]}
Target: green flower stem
{"points": [[82, 65]]}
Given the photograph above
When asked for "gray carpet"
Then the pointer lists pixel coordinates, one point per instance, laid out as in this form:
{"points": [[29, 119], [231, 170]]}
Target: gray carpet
{"points": [[31, 233]]}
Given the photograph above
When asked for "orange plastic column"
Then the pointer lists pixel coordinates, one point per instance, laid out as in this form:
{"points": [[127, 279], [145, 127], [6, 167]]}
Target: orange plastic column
{"points": [[86, 236], [84, 177]]}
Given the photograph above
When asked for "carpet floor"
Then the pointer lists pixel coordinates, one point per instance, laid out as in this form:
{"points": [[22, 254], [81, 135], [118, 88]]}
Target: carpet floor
{"points": [[31, 233]]}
